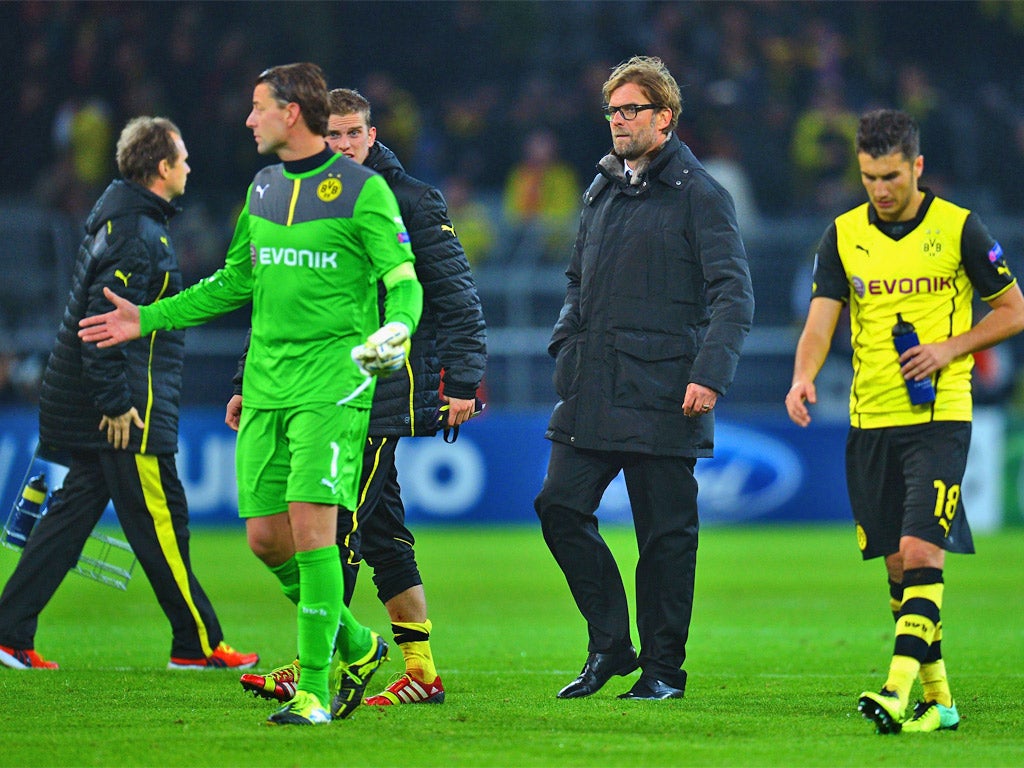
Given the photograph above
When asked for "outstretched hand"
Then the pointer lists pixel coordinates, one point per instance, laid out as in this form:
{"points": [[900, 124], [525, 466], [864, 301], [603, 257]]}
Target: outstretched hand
{"points": [[111, 328]]}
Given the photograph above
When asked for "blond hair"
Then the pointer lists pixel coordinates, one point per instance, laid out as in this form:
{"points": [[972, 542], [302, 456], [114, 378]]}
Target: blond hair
{"points": [[653, 77]]}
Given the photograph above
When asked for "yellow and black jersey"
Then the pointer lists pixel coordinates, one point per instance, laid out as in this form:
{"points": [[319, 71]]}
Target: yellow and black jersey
{"points": [[927, 270]]}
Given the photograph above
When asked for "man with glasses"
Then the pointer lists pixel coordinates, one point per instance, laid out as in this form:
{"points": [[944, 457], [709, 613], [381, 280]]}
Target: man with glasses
{"points": [[316, 235], [658, 304]]}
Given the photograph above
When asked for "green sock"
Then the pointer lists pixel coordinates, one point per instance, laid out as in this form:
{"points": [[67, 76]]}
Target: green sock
{"points": [[354, 640], [288, 574], [322, 589]]}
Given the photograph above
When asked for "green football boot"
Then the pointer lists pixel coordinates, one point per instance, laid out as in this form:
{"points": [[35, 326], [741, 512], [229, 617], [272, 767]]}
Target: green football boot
{"points": [[931, 716]]}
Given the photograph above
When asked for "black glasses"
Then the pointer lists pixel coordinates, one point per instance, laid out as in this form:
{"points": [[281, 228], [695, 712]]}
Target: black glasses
{"points": [[628, 111]]}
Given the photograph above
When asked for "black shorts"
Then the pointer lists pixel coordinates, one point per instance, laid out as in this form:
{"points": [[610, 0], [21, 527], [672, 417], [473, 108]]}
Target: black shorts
{"points": [[906, 481]]}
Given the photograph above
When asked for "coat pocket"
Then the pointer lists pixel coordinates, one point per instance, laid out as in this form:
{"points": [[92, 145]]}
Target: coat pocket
{"points": [[652, 369], [567, 367]]}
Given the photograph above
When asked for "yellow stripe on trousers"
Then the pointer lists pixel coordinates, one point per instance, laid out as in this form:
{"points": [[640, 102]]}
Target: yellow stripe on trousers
{"points": [[149, 374], [156, 503], [363, 492]]}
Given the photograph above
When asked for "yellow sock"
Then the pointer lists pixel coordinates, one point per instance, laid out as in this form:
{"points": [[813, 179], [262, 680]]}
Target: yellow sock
{"points": [[902, 673], [935, 684], [933, 673], [915, 631], [894, 606], [414, 640], [895, 598]]}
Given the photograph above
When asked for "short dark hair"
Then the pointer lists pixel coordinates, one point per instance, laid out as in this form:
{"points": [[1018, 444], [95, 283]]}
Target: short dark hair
{"points": [[349, 101], [885, 131], [143, 143], [303, 84]]}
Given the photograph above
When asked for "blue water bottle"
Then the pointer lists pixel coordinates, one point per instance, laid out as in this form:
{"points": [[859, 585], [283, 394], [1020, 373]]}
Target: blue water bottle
{"points": [[26, 512], [904, 337]]}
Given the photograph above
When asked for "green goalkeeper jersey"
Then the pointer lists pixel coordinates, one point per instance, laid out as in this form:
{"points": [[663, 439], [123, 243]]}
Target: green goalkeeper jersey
{"points": [[308, 251]]}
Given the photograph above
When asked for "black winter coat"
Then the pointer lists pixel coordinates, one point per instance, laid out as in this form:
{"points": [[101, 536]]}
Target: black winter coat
{"points": [[451, 334], [659, 296], [128, 249]]}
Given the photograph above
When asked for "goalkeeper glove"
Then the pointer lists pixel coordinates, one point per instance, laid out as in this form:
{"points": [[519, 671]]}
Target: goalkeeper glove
{"points": [[384, 351]]}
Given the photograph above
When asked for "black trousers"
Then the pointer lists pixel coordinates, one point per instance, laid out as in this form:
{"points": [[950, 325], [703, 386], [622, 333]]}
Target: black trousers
{"points": [[377, 533], [150, 504], [663, 498]]}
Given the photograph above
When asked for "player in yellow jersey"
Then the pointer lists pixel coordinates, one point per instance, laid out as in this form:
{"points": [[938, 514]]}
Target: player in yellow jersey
{"points": [[906, 252]]}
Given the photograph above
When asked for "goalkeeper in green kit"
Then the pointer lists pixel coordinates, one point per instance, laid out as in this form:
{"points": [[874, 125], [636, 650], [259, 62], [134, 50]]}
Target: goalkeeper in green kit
{"points": [[316, 234]]}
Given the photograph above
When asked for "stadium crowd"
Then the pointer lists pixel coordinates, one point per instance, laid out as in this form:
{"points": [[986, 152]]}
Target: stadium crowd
{"points": [[493, 102], [459, 87]]}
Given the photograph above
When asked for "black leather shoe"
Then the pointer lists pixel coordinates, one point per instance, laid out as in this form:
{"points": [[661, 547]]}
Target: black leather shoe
{"points": [[599, 669], [649, 689]]}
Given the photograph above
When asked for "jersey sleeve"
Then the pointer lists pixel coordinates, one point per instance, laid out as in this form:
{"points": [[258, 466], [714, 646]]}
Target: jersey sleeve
{"points": [[404, 301], [227, 289], [984, 260], [381, 229], [829, 276]]}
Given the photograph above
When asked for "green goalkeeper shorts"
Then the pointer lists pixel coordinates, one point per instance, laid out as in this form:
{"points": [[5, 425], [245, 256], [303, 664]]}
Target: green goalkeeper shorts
{"points": [[310, 453]]}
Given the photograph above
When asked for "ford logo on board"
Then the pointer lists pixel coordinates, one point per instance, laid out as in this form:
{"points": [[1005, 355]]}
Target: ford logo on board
{"points": [[751, 475]]}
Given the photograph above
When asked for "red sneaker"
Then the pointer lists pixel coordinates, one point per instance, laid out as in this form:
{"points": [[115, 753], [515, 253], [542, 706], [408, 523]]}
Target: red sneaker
{"points": [[408, 690], [223, 657], [19, 658], [279, 685]]}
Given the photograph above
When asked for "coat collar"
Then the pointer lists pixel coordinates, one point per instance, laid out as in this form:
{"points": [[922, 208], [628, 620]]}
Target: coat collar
{"points": [[672, 167]]}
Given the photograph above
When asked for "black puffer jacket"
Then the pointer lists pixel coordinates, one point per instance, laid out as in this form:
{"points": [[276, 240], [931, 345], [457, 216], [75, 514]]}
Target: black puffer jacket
{"points": [[659, 296], [128, 249], [451, 333]]}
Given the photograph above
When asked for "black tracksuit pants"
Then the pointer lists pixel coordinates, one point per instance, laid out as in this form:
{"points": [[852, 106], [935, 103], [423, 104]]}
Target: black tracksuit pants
{"points": [[663, 497], [150, 504], [377, 533]]}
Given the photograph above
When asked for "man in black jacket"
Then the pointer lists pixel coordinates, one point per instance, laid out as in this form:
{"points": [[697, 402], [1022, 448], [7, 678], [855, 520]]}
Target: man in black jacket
{"points": [[451, 337], [659, 302], [112, 416]]}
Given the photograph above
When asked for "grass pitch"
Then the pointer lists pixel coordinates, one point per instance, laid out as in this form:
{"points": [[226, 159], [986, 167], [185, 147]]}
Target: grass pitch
{"points": [[789, 627]]}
